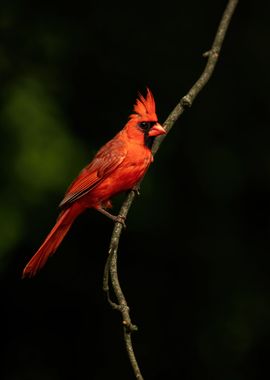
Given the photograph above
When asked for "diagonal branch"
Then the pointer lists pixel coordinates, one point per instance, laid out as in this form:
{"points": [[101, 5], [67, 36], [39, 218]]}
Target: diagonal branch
{"points": [[110, 271]]}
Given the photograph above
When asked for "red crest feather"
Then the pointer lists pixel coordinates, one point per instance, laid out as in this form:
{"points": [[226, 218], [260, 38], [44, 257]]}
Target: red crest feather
{"points": [[145, 106]]}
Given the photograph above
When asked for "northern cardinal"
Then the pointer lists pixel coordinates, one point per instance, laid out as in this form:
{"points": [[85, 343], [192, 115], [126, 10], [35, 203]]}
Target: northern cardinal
{"points": [[118, 166]]}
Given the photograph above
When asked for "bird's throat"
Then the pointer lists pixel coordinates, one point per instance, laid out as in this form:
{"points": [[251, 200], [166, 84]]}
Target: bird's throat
{"points": [[149, 140]]}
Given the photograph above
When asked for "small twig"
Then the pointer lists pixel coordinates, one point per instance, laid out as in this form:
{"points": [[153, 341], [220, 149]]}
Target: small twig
{"points": [[186, 102], [106, 276]]}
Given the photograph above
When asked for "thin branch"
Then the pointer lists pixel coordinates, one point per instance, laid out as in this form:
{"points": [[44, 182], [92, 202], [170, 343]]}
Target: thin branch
{"points": [[110, 271]]}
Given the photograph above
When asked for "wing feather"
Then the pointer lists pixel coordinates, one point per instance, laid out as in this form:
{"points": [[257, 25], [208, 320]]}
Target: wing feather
{"points": [[107, 159]]}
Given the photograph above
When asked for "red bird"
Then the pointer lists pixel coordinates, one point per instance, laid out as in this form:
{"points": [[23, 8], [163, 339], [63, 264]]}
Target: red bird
{"points": [[118, 166]]}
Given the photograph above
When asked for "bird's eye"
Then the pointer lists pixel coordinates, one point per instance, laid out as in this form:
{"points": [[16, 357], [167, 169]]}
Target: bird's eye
{"points": [[144, 125]]}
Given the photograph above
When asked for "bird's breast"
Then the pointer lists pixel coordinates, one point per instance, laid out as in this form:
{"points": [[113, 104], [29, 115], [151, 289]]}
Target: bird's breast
{"points": [[128, 173], [124, 177]]}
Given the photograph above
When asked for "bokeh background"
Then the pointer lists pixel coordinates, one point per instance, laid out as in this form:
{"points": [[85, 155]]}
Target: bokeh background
{"points": [[194, 260]]}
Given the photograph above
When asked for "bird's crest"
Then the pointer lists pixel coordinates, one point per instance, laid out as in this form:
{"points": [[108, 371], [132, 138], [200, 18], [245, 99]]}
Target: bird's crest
{"points": [[144, 106]]}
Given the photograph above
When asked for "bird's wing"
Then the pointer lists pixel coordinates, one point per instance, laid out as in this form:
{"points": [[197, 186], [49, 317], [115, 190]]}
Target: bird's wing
{"points": [[108, 158]]}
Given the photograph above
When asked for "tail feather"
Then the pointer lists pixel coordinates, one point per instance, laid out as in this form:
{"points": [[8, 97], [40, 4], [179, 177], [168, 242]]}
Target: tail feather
{"points": [[52, 241]]}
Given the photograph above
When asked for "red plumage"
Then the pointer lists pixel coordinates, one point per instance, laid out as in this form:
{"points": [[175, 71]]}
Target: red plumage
{"points": [[118, 166]]}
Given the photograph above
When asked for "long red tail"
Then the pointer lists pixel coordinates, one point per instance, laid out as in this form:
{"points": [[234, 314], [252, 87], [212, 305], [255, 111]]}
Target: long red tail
{"points": [[52, 241]]}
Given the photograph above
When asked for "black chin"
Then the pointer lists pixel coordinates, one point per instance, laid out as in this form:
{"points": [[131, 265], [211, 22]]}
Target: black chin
{"points": [[149, 140]]}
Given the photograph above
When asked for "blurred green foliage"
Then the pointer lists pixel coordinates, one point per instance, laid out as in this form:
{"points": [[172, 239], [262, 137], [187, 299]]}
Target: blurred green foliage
{"points": [[40, 155]]}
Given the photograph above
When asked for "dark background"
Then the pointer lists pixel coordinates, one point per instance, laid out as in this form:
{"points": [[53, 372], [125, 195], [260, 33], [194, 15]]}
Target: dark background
{"points": [[194, 260]]}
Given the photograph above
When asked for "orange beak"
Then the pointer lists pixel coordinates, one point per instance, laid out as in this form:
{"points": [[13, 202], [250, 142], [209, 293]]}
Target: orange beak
{"points": [[156, 130]]}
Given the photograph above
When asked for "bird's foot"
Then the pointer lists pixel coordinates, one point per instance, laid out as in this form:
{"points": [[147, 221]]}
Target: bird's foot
{"points": [[120, 219], [136, 189], [116, 218]]}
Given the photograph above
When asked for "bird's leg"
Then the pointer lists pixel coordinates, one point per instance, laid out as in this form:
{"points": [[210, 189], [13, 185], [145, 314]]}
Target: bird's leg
{"points": [[115, 218]]}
